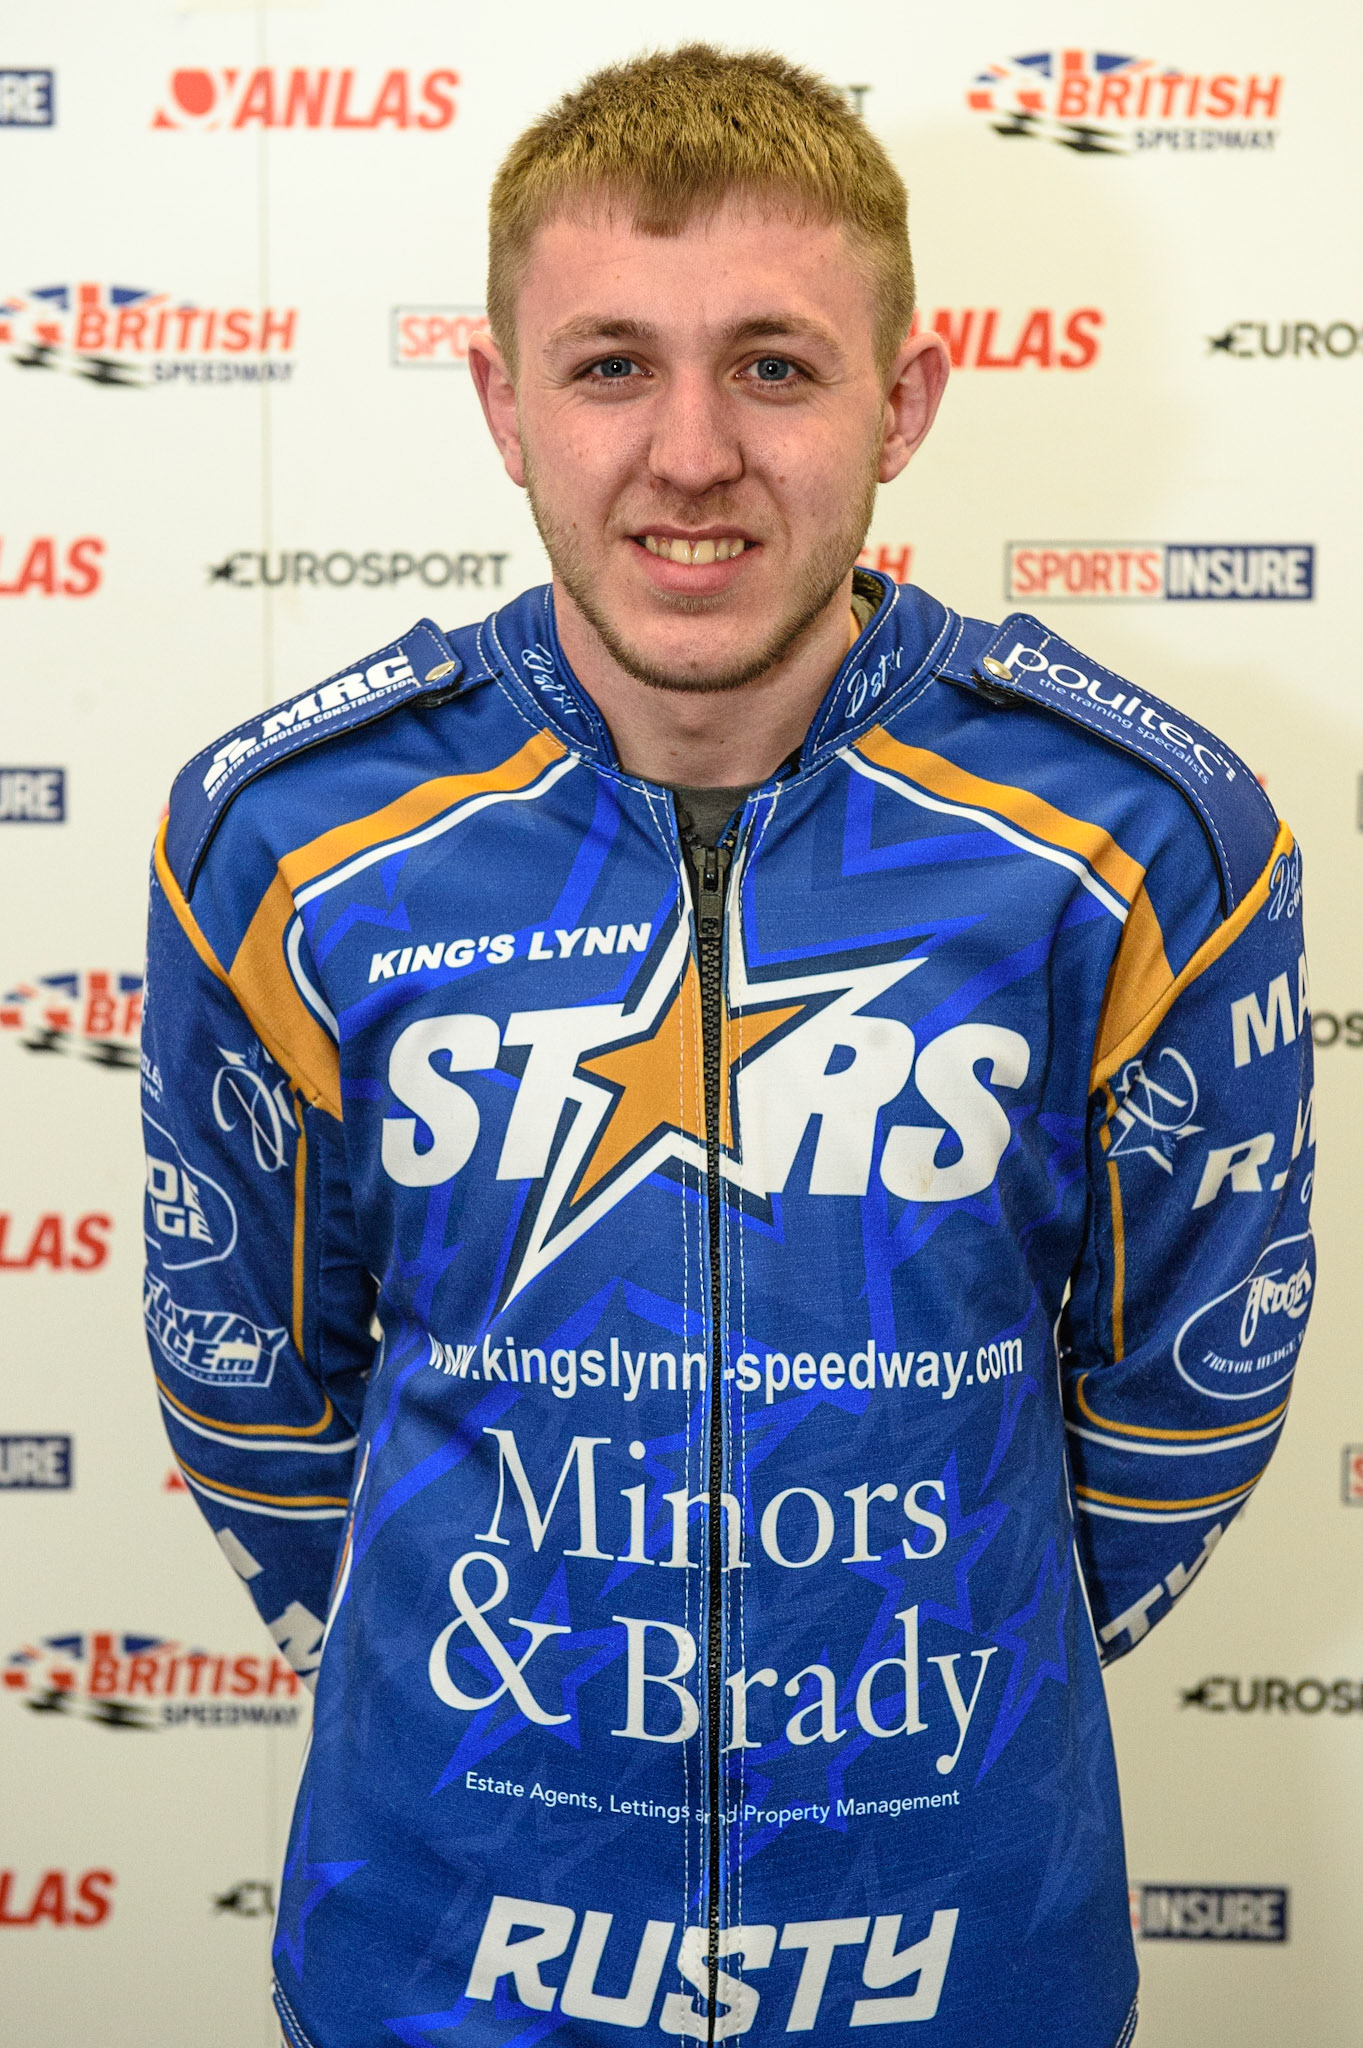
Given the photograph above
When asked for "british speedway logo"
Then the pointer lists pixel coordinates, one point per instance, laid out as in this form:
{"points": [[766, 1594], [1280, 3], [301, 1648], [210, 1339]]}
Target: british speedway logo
{"points": [[1101, 103], [131, 1681], [92, 1012], [132, 335]]}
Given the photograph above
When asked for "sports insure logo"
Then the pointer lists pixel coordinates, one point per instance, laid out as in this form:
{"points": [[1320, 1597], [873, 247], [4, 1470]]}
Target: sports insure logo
{"points": [[32, 796], [1210, 1912], [35, 1464], [1152, 571], [28, 99], [433, 337]]}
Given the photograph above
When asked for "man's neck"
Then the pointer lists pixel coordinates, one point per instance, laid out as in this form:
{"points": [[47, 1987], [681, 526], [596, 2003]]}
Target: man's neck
{"points": [[709, 738]]}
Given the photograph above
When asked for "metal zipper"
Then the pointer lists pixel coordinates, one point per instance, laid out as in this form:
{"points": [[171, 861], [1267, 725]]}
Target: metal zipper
{"points": [[710, 867]]}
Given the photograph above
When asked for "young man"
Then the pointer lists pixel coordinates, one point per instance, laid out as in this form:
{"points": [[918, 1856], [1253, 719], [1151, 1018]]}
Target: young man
{"points": [[749, 1142]]}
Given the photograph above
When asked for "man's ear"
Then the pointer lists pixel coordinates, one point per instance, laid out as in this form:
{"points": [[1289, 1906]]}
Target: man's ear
{"points": [[918, 377], [497, 396]]}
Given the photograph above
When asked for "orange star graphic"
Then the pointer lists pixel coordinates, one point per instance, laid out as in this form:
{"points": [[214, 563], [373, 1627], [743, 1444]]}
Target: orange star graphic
{"points": [[661, 1078]]}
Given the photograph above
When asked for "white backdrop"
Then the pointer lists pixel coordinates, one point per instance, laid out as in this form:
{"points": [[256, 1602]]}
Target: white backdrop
{"points": [[241, 250]]}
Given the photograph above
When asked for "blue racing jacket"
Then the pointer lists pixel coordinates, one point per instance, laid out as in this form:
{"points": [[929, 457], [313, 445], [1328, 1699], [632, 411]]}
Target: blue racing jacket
{"points": [[704, 1354]]}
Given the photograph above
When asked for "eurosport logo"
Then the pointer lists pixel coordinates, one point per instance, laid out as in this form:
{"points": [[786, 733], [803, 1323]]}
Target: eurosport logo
{"points": [[433, 337], [1353, 1475], [1329, 1028], [50, 567], [56, 1898], [61, 1244], [364, 569], [32, 796], [28, 99], [35, 1464], [252, 1899], [124, 335], [94, 1013], [987, 338], [130, 1681], [1209, 1912], [1100, 103], [1250, 340], [1151, 572], [1310, 1696], [273, 96]]}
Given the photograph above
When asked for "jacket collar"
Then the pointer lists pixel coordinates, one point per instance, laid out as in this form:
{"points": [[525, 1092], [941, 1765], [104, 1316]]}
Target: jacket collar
{"points": [[908, 639]]}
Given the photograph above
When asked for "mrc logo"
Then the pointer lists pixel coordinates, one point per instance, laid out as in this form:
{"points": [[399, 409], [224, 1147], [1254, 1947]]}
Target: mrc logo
{"points": [[271, 96], [1100, 103]]}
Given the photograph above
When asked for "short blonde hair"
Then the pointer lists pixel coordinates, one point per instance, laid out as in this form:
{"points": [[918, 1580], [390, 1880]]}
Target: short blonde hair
{"points": [[674, 134]]}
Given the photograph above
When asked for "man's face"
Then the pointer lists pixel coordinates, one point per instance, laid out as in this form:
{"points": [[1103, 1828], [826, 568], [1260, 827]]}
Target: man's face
{"points": [[700, 422]]}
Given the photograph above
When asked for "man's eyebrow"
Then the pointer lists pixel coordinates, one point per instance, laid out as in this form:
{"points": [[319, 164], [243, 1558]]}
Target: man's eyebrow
{"points": [[756, 327]]}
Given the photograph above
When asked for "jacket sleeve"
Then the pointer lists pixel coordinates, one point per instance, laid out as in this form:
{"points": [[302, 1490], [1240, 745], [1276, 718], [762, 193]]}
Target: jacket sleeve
{"points": [[258, 1308], [1189, 1305]]}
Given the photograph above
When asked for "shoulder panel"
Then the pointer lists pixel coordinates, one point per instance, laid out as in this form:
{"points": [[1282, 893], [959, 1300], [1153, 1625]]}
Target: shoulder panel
{"points": [[1023, 660], [423, 663]]}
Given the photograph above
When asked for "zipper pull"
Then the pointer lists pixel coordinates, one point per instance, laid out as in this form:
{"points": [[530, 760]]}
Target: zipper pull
{"points": [[712, 873]]}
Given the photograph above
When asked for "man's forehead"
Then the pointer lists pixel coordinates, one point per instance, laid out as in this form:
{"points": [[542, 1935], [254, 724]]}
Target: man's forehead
{"points": [[747, 270]]}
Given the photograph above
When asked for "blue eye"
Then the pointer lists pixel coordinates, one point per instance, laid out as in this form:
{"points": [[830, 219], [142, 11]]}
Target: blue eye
{"points": [[613, 368], [772, 369]]}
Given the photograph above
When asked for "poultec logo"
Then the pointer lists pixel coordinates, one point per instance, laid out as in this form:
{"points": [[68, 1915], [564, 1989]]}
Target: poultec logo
{"points": [[1209, 1912], [986, 338], [130, 335], [95, 1013], [1098, 103], [127, 1681], [271, 97], [1150, 572], [28, 99]]}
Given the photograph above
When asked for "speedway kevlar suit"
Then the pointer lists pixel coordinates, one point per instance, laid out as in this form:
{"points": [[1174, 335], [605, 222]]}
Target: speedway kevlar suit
{"points": [[726, 1364]]}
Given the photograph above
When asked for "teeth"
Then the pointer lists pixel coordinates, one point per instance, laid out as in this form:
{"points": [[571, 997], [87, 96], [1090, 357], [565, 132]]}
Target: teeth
{"points": [[695, 554]]}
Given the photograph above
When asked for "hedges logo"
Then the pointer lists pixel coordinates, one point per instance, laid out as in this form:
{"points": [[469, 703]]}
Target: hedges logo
{"points": [[272, 97], [1151, 571], [1098, 103], [1209, 1912], [126, 1681], [93, 1013], [130, 335], [1243, 1343]]}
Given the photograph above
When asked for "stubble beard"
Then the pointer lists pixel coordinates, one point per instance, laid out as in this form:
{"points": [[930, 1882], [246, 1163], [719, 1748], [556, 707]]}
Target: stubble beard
{"points": [[814, 588]]}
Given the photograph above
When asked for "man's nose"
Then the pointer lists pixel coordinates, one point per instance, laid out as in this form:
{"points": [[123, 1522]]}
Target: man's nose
{"points": [[695, 444]]}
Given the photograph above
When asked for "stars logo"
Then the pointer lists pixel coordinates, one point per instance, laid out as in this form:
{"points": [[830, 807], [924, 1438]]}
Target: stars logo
{"points": [[630, 1082]]}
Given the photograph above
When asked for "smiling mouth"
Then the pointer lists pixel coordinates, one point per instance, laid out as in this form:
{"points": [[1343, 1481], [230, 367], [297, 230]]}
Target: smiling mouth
{"points": [[694, 554]]}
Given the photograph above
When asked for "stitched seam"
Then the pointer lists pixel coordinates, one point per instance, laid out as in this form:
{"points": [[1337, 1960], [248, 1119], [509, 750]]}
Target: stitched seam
{"points": [[881, 620], [1128, 2032], [907, 693], [292, 2018]]}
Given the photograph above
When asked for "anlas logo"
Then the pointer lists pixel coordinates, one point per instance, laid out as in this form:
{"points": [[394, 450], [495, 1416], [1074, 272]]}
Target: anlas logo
{"points": [[1099, 103], [272, 97], [61, 1244], [130, 335], [986, 338], [127, 1681], [92, 1012], [58, 1898], [50, 567]]}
